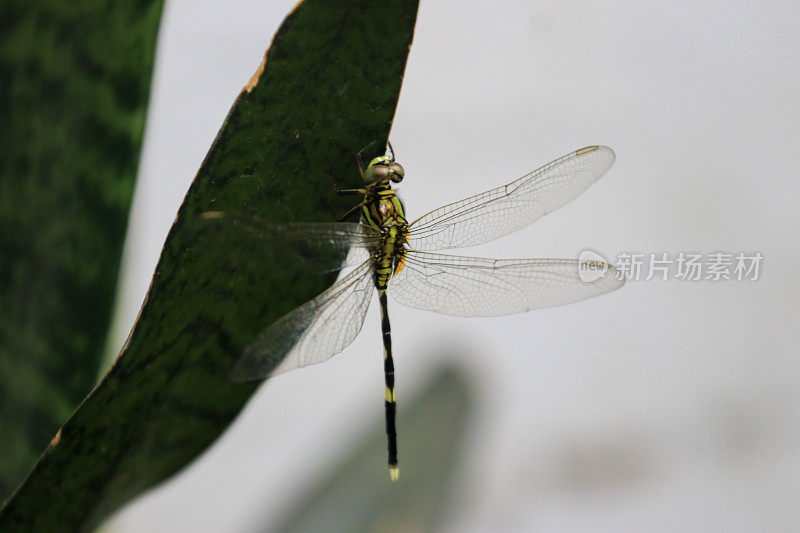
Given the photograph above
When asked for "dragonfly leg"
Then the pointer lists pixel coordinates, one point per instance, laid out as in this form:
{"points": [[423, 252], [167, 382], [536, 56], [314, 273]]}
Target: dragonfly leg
{"points": [[351, 211], [337, 190], [360, 160], [391, 405], [390, 149]]}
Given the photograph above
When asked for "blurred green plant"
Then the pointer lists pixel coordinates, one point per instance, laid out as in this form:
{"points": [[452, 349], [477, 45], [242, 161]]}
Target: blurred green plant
{"points": [[355, 496], [328, 86], [74, 85]]}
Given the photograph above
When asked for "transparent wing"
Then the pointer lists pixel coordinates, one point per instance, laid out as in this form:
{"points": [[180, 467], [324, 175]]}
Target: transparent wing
{"points": [[472, 286], [312, 333], [492, 214], [320, 246]]}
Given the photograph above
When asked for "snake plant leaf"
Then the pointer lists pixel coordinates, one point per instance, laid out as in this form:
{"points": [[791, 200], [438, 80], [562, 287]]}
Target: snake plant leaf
{"points": [[74, 85], [328, 86]]}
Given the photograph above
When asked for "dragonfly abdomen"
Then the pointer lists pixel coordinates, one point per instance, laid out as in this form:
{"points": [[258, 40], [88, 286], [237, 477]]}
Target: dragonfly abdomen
{"points": [[389, 403], [386, 259], [383, 211]]}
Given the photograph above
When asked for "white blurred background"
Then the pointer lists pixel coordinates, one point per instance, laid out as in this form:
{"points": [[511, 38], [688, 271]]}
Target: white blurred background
{"points": [[664, 406]]}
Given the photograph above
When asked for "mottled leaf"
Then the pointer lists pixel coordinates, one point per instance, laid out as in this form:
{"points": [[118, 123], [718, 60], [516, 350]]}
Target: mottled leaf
{"points": [[329, 85]]}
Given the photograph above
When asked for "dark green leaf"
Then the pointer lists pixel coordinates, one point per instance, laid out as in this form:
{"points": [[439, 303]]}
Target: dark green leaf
{"points": [[330, 86], [74, 82]]}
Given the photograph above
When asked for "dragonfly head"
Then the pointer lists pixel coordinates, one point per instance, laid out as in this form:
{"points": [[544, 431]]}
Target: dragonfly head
{"points": [[382, 169]]}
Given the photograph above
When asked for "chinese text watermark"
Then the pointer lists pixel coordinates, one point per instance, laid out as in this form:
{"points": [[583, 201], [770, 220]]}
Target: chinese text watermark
{"points": [[683, 266]]}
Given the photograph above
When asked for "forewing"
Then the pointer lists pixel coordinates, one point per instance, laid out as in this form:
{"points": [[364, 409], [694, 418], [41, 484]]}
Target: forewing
{"points": [[473, 286], [492, 214], [312, 333], [316, 246]]}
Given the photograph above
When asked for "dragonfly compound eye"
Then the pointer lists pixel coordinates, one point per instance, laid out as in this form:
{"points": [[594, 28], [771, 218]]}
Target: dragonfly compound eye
{"points": [[397, 172], [378, 173]]}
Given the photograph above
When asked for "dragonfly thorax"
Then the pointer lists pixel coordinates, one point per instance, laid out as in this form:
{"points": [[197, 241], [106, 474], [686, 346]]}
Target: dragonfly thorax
{"points": [[383, 210]]}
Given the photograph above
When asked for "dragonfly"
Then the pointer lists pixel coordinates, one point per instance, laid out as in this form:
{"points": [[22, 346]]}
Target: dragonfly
{"points": [[393, 256]]}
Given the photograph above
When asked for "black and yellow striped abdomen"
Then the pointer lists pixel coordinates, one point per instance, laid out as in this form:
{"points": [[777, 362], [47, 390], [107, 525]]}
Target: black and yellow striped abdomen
{"points": [[383, 211]]}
